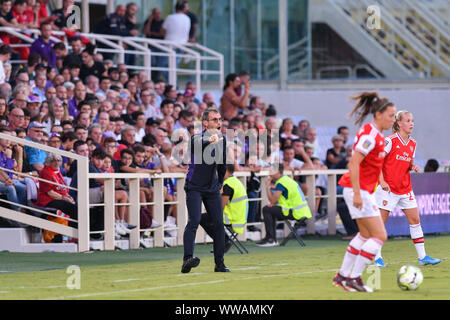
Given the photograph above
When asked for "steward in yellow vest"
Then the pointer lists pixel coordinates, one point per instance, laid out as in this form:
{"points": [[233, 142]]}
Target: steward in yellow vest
{"points": [[234, 204], [286, 202]]}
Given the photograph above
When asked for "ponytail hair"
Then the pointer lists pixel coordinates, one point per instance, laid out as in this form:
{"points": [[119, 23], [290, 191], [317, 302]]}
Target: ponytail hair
{"points": [[368, 102], [398, 117]]}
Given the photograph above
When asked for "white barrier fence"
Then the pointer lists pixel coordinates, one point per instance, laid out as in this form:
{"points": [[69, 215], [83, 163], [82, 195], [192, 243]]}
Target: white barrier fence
{"points": [[204, 58], [82, 232]]}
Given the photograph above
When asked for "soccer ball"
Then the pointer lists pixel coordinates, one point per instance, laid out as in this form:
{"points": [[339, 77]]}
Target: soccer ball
{"points": [[409, 278]]}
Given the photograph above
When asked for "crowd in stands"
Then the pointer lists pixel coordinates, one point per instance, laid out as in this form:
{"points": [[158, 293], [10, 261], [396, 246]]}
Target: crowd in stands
{"points": [[75, 100]]}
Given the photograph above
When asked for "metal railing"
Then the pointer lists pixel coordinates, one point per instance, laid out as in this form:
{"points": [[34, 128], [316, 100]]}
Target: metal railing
{"points": [[206, 62], [416, 17], [396, 39], [298, 61], [82, 232]]}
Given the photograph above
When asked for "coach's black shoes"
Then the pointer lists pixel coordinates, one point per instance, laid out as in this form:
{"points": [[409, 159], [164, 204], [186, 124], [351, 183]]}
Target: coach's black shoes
{"points": [[221, 268], [190, 263]]}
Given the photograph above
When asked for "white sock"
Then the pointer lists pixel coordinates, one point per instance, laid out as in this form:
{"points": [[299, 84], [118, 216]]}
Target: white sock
{"points": [[350, 256], [367, 253], [417, 238], [378, 255]]}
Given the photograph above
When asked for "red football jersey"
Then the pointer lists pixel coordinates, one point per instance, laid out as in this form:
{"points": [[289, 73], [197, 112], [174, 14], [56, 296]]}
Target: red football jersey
{"points": [[399, 154], [370, 142]]}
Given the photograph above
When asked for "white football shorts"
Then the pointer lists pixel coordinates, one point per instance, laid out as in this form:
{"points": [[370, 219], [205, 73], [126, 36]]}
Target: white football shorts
{"points": [[369, 209], [389, 201]]}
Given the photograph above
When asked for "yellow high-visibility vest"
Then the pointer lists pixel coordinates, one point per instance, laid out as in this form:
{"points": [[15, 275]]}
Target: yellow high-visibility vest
{"points": [[296, 199], [236, 210]]}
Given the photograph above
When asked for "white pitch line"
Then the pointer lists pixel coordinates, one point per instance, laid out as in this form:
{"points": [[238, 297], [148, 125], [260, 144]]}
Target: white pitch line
{"points": [[183, 285], [126, 280], [135, 290], [248, 268]]}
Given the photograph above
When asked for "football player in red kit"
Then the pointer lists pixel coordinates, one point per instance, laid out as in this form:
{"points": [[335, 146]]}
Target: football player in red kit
{"points": [[395, 189], [359, 187]]}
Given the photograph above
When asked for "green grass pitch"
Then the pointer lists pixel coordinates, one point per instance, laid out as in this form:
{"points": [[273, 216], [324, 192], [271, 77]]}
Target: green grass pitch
{"points": [[279, 273]]}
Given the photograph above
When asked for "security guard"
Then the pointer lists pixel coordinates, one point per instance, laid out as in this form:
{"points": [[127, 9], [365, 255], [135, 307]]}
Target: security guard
{"points": [[234, 201], [286, 202], [234, 204]]}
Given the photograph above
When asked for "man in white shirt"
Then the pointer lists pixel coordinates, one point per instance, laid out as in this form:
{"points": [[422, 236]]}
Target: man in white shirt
{"points": [[176, 28]]}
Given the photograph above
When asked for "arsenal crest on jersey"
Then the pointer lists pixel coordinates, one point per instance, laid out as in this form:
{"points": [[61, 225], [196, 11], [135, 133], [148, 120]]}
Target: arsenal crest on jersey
{"points": [[385, 202]]}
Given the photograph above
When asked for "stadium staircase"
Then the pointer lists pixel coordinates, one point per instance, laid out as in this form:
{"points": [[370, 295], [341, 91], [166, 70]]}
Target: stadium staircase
{"points": [[298, 59], [413, 39]]}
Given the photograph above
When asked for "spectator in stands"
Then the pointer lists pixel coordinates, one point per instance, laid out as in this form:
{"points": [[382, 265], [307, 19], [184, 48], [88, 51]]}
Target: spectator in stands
{"points": [[432, 165], [153, 25], [57, 113], [7, 19], [40, 84], [116, 24], [335, 154], [139, 125], [80, 95], [153, 30], [32, 13], [75, 56], [14, 189], [207, 97], [286, 131], [130, 23], [34, 106], [149, 105], [194, 22], [311, 137], [44, 45], [230, 101], [92, 84], [176, 28], [291, 163], [5, 56], [35, 157], [104, 86], [16, 119], [344, 133], [61, 54], [4, 110], [89, 66], [245, 78], [303, 125], [55, 196]]}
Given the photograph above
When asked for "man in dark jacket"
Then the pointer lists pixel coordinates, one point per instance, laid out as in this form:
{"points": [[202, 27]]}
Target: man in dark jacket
{"points": [[204, 180]]}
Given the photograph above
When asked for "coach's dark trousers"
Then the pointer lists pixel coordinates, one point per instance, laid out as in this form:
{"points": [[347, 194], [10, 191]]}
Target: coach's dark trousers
{"points": [[213, 206]]}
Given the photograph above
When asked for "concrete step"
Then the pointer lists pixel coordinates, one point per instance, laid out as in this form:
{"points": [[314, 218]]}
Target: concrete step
{"points": [[18, 240]]}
